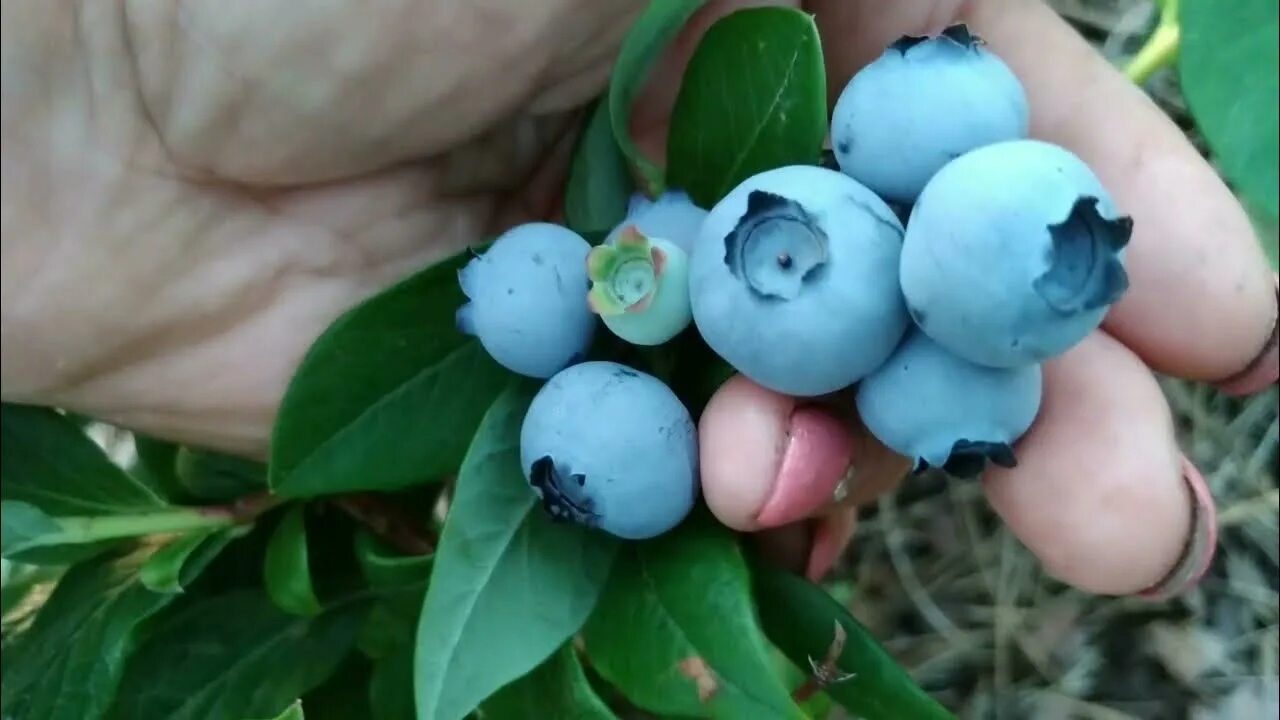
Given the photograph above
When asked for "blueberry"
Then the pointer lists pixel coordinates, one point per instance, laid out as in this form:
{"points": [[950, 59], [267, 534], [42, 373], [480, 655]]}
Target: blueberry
{"points": [[640, 287], [943, 411], [793, 280], [672, 216], [1013, 254], [611, 448], [528, 295], [921, 103]]}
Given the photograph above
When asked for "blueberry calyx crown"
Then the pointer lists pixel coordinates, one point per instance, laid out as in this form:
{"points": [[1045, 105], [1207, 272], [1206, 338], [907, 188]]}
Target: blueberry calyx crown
{"points": [[1085, 272], [556, 490], [624, 276], [969, 458], [776, 247], [958, 34]]}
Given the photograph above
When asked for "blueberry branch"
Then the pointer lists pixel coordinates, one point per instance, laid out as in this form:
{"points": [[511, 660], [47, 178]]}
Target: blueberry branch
{"points": [[80, 529], [242, 509], [827, 672], [388, 522]]}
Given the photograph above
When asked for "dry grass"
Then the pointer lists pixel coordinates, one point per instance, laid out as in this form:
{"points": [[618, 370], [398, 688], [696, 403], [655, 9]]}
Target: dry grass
{"points": [[959, 601]]}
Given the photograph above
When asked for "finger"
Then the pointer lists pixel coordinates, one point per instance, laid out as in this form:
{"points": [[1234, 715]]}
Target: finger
{"points": [[1101, 494], [809, 547], [767, 461], [786, 547], [831, 537], [1202, 302]]}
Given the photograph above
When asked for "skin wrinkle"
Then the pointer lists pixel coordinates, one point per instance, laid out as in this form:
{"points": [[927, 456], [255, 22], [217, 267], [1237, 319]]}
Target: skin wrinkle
{"points": [[212, 271], [410, 111], [145, 110]]}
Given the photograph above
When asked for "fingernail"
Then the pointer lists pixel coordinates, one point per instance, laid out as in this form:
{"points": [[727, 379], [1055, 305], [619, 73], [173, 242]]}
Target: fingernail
{"points": [[1198, 553], [1265, 368], [814, 464]]}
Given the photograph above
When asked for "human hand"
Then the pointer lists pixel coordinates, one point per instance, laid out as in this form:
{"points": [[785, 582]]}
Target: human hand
{"points": [[192, 194], [1101, 495]]}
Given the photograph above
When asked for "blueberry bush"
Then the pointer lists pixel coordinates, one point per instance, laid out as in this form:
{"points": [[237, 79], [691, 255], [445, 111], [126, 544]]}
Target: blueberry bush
{"points": [[390, 560]]}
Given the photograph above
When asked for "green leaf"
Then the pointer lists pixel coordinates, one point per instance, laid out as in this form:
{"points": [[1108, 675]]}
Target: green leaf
{"points": [[68, 664], [31, 535], [393, 621], [401, 581], [800, 618], [25, 590], [24, 526], [818, 705], [656, 27], [509, 585], [293, 712], [385, 568], [558, 688], [344, 695], [599, 187], [234, 655], [754, 98], [156, 466], [388, 396], [391, 688], [287, 570], [177, 564], [1228, 63], [676, 632], [50, 463], [217, 477]]}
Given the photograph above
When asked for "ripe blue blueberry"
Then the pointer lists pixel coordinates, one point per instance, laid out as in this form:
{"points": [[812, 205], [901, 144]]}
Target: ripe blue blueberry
{"points": [[528, 296], [793, 280], [672, 216], [640, 287], [611, 448], [923, 102], [943, 411], [1013, 253]]}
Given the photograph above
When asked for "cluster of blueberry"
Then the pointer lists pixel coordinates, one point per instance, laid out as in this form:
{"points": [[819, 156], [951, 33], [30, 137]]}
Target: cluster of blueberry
{"points": [[1003, 252]]}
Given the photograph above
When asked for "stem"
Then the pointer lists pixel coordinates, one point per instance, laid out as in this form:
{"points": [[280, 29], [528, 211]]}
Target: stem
{"points": [[1159, 52], [110, 527], [1161, 48], [244, 509], [77, 529], [810, 688], [388, 522]]}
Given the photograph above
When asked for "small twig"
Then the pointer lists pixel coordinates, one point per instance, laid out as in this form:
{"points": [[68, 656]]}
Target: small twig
{"points": [[243, 509], [1160, 50], [827, 672], [391, 524]]}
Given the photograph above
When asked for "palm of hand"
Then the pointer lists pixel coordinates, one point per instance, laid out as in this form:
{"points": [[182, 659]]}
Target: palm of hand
{"points": [[217, 188]]}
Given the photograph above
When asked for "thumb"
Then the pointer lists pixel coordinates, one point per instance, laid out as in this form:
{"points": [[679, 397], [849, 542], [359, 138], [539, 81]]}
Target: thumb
{"points": [[768, 460]]}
